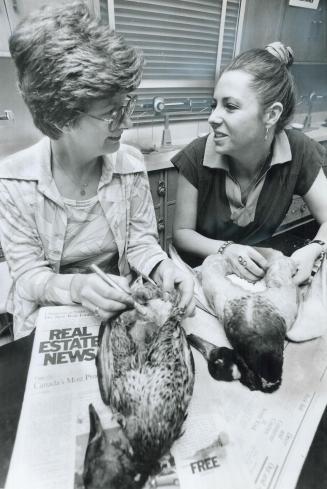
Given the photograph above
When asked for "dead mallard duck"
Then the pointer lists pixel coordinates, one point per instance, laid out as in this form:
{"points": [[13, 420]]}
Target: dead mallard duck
{"points": [[255, 323], [146, 376]]}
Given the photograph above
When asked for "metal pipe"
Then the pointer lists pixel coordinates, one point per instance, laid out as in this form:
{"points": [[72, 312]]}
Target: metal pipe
{"points": [[7, 116]]}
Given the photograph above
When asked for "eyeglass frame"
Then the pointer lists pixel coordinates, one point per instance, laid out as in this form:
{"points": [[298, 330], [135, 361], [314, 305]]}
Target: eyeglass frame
{"points": [[115, 121]]}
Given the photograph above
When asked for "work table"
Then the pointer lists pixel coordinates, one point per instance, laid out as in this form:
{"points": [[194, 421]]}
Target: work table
{"points": [[14, 361]]}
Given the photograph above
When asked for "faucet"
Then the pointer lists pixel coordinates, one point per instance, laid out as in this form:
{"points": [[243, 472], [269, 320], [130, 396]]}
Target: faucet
{"points": [[7, 116], [160, 106], [308, 117]]}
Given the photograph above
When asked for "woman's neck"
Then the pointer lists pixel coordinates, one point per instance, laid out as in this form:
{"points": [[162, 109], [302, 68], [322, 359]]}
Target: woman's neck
{"points": [[248, 164], [76, 177], [72, 159]]}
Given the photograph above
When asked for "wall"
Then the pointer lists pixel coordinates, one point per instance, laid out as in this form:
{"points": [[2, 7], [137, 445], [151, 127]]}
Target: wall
{"points": [[20, 133], [311, 78]]}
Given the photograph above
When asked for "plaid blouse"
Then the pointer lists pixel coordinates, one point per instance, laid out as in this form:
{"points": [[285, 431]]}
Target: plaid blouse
{"points": [[33, 224]]}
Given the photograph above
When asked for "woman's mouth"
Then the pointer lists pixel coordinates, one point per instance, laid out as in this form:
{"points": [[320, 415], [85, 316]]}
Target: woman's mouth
{"points": [[114, 139], [219, 135]]}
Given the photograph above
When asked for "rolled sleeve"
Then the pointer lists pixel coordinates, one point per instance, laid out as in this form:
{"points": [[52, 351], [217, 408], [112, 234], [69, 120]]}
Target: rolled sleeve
{"points": [[30, 271], [143, 250]]}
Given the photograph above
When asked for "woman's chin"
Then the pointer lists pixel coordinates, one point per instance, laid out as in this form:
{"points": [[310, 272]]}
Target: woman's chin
{"points": [[220, 149], [111, 145]]}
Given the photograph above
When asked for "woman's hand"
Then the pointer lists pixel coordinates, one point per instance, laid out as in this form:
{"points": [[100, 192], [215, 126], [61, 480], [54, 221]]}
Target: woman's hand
{"points": [[95, 294], [246, 262], [304, 259], [169, 277]]}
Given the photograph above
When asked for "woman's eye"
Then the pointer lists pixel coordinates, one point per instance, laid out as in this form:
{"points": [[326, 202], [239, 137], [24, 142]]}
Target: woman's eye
{"points": [[213, 105], [231, 107]]}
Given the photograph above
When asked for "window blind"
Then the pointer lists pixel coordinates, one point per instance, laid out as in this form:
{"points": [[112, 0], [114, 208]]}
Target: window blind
{"points": [[180, 43]]}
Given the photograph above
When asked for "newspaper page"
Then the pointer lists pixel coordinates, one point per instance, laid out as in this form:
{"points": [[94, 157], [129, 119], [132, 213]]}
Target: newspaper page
{"points": [[61, 382], [233, 438], [267, 436]]}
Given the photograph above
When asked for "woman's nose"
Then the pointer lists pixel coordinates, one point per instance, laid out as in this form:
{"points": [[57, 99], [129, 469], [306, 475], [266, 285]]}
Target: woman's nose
{"points": [[126, 122], [216, 116]]}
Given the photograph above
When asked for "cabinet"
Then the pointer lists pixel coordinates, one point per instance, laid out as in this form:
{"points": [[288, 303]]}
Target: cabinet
{"points": [[262, 23], [305, 30], [163, 185]]}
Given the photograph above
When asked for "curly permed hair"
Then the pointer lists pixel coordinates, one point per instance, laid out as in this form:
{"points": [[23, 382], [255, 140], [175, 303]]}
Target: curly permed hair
{"points": [[66, 60]]}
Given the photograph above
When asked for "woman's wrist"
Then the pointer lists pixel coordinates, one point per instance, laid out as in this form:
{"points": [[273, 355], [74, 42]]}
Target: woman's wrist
{"points": [[319, 244], [156, 271], [222, 248]]}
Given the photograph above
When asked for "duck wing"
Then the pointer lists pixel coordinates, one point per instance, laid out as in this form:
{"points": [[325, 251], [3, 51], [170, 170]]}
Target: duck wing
{"points": [[256, 331], [116, 356], [167, 390]]}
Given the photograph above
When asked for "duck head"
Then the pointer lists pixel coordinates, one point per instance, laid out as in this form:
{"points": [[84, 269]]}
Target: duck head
{"points": [[222, 361], [109, 462]]}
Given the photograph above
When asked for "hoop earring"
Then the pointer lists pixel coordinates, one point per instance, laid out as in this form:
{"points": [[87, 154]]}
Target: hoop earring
{"points": [[266, 135]]}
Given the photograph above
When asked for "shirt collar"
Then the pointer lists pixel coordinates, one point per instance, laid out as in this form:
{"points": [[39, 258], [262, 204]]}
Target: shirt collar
{"points": [[34, 163], [281, 153], [127, 160]]}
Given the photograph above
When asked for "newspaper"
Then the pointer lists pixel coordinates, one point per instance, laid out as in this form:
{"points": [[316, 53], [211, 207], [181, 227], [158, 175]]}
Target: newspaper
{"points": [[61, 381], [269, 434], [233, 438]]}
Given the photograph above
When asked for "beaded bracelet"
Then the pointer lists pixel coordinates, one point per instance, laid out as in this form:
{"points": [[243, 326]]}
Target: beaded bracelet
{"points": [[224, 246]]}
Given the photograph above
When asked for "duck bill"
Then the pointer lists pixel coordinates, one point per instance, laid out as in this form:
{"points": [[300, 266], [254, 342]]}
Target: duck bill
{"points": [[203, 346]]}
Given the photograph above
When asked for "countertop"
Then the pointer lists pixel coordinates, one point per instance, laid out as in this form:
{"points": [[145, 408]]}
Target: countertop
{"points": [[318, 133]]}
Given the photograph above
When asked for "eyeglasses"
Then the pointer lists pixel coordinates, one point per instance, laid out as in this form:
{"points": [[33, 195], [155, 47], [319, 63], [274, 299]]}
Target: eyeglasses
{"points": [[118, 115]]}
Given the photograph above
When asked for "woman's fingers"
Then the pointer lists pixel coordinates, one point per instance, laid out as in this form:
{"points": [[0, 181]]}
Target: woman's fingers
{"points": [[246, 273], [254, 269], [103, 299], [257, 265], [107, 310], [170, 277], [97, 286], [258, 259], [247, 262], [122, 281], [187, 302]]}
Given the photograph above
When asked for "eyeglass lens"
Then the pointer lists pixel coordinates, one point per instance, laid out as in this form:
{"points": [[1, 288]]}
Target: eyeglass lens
{"points": [[119, 114]]}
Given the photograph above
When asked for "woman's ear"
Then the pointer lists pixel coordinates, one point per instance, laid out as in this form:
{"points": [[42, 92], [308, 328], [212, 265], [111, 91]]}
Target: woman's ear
{"points": [[272, 114]]}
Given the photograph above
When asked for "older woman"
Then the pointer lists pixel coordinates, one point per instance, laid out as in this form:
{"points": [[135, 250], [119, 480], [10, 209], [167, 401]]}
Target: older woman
{"points": [[236, 185], [78, 196]]}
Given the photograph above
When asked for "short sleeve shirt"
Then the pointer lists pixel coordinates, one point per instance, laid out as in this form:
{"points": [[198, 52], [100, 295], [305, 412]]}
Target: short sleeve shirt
{"points": [[294, 165]]}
